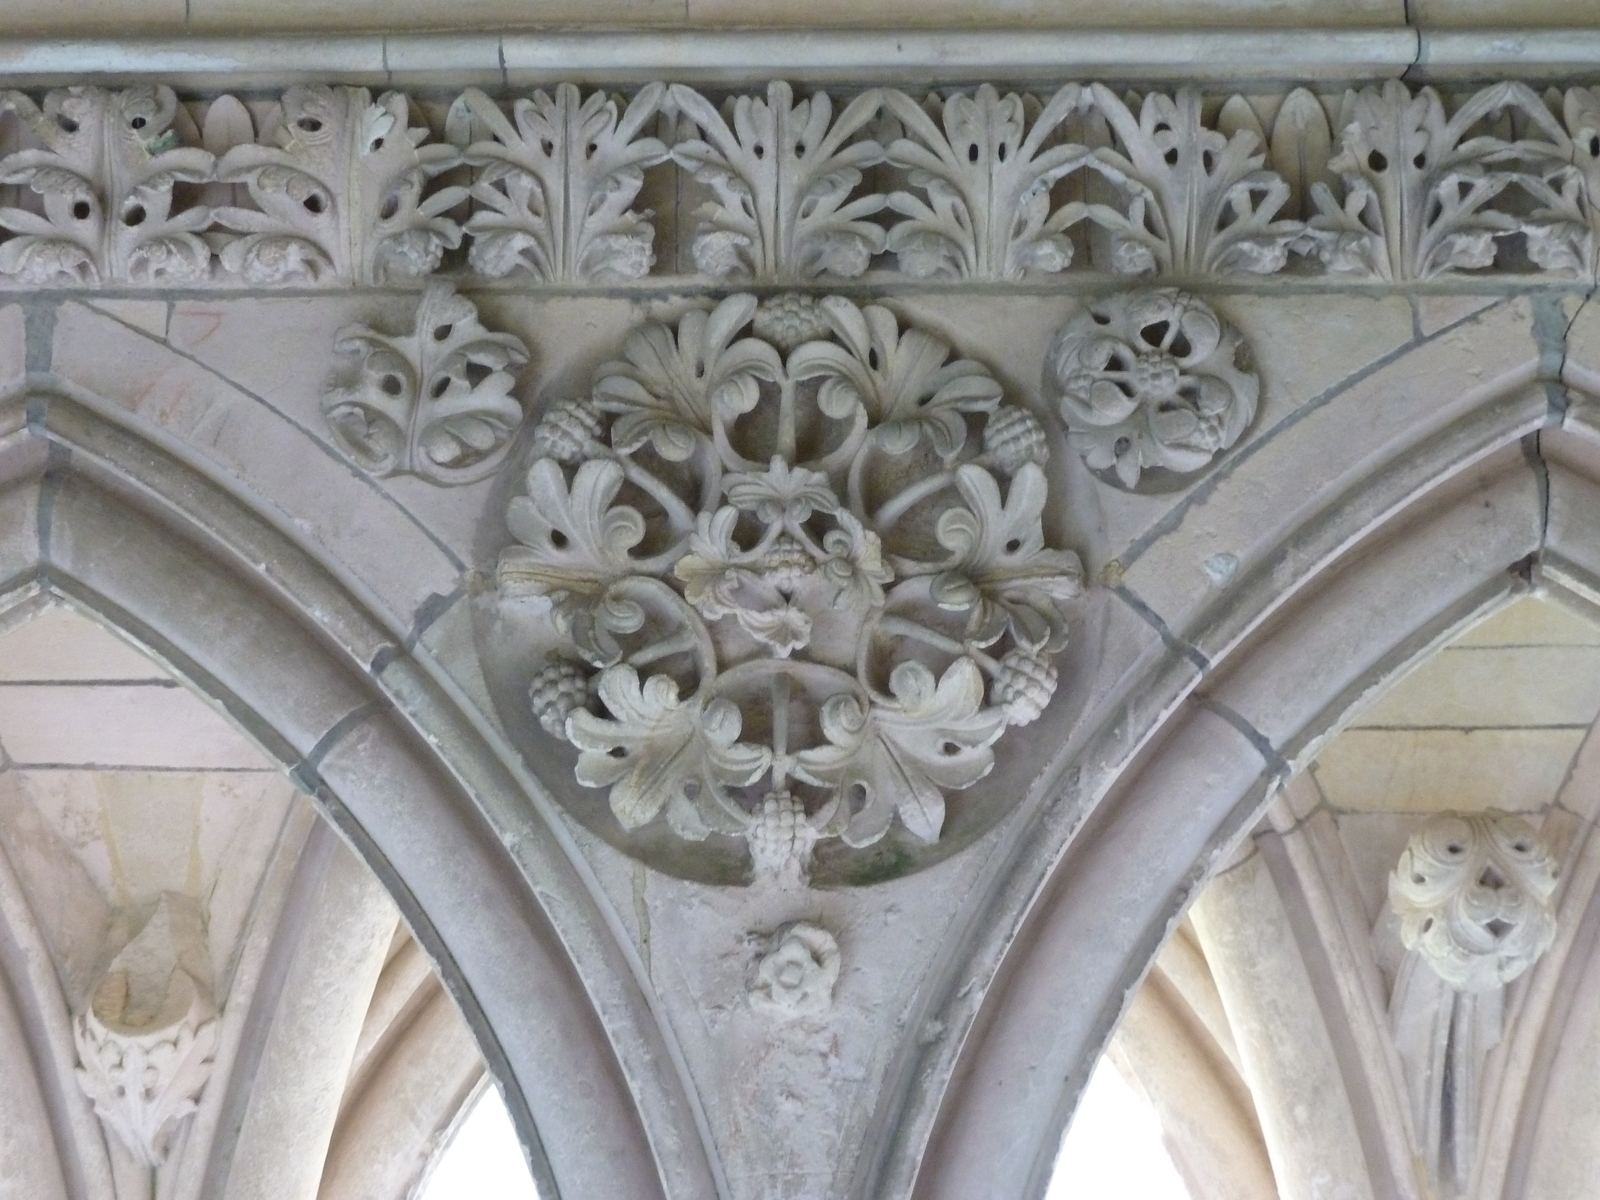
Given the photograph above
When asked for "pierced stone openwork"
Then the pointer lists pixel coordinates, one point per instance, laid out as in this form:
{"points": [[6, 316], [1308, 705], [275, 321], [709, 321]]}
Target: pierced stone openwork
{"points": [[1151, 379], [1473, 893], [789, 566]]}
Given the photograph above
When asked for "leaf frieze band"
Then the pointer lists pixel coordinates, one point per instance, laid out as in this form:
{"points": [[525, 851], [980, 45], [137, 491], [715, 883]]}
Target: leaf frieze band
{"points": [[329, 185]]}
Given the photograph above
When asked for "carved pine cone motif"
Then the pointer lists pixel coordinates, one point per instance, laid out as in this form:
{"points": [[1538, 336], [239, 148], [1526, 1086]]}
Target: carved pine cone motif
{"points": [[558, 691], [813, 581], [567, 431], [1025, 684]]}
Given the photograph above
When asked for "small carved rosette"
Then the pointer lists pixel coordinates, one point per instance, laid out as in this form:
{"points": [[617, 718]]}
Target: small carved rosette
{"points": [[1473, 894], [794, 576], [1151, 379], [797, 974]]}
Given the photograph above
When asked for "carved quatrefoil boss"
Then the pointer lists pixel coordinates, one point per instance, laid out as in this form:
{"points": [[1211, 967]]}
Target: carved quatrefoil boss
{"points": [[1151, 379], [788, 565]]}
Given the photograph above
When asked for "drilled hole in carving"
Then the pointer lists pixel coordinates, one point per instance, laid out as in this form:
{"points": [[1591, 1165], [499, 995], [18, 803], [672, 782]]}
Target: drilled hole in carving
{"points": [[309, 124], [391, 385], [314, 203], [1171, 157], [1377, 161], [799, 149], [548, 147], [390, 207], [1498, 928], [138, 122], [133, 215], [1455, 849], [1208, 161], [617, 752], [760, 150], [81, 210], [1420, 161], [592, 150], [1013, 545], [441, 387], [1491, 879], [441, 333], [1000, 152], [375, 146], [972, 152], [476, 373], [872, 358], [67, 124], [1594, 145], [949, 749], [559, 540], [1100, 318]]}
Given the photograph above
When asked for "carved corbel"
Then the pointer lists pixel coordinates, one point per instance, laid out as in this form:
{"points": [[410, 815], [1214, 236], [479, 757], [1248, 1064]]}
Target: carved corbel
{"points": [[148, 1033], [1472, 896]]}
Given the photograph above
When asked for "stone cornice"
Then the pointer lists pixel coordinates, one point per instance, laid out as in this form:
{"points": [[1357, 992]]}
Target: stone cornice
{"points": [[929, 56]]}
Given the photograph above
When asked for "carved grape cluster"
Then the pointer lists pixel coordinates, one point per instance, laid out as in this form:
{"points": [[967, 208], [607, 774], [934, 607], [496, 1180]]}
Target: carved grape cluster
{"points": [[807, 590]]}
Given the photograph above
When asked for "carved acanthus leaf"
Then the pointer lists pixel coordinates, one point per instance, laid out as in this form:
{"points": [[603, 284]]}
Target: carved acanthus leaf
{"points": [[148, 1035], [987, 212], [658, 751], [1195, 202], [783, 174], [435, 401], [1151, 379], [899, 755], [555, 190], [1563, 233], [1418, 191], [104, 172], [340, 196], [744, 583]]}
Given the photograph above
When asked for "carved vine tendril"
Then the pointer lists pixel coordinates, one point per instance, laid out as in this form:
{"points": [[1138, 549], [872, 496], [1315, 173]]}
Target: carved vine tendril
{"points": [[808, 590]]}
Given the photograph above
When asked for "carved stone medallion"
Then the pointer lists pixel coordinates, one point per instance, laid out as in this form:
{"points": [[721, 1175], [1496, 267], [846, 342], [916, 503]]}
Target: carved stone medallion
{"points": [[787, 571], [1473, 893], [1150, 379]]}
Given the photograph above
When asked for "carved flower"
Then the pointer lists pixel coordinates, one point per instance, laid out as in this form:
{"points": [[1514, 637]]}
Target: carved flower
{"points": [[782, 629], [781, 493], [658, 751], [1152, 379], [710, 578], [796, 977], [855, 565], [1474, 897], [560, 689]]}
